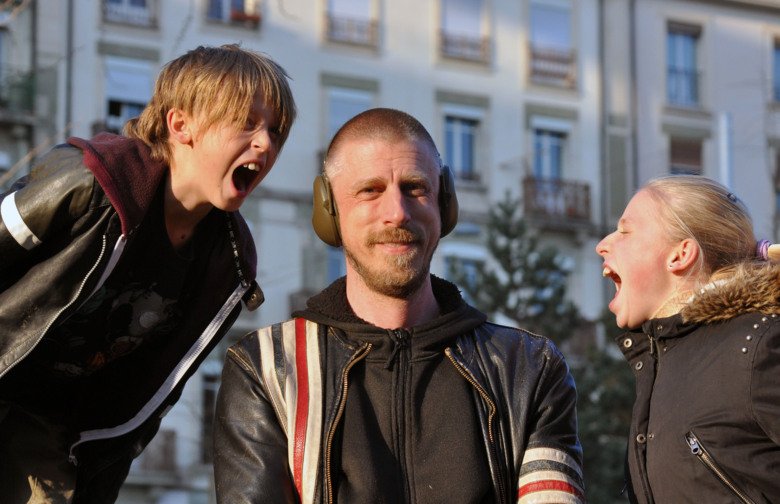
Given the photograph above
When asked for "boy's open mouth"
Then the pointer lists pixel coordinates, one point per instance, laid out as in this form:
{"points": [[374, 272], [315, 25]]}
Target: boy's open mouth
{"points": [[245, 175]]}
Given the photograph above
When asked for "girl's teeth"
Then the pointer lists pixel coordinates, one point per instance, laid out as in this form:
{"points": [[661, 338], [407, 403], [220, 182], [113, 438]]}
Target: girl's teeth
{"points": [[253, 166], [606, 272]]}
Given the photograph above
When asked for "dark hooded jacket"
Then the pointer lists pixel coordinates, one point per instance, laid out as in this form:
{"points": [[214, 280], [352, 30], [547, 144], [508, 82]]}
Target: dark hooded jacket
{"points": [[706, 422], [62, 230], [327, 408]]}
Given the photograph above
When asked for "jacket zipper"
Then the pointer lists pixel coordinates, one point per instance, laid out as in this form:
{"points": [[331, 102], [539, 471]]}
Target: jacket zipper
{"points": [[704, 456], [357, 357], [56, 316], [491, 414], [401, 337]]}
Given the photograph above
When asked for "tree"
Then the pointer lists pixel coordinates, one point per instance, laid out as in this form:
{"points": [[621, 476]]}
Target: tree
{"points": [[528, 285]]}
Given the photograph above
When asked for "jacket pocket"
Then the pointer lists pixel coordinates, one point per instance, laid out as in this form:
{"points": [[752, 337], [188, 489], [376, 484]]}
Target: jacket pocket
{"points": [[697, 449]]}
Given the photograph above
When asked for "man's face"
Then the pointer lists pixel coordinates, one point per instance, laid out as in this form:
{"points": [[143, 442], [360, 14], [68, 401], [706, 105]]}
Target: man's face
{"points": [[386, 195]]}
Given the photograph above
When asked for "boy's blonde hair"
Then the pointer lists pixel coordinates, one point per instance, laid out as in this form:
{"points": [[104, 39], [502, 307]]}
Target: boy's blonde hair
{"points": [[219, 84], [700, 208]]}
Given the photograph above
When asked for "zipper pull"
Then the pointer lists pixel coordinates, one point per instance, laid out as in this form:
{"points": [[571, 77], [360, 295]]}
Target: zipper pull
{"points": [[400, 340], [693, 443]]}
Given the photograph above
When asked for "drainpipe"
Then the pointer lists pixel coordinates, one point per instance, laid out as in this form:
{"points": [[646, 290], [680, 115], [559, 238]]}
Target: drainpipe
{"points": [[634, 96], [725, 148], [69, 71]]}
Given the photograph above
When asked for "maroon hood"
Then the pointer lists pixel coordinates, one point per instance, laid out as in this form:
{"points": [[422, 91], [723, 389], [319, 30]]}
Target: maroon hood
{"points": [[125, 170]]}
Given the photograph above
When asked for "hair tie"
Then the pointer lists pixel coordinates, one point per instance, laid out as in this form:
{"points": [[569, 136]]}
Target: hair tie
{"points": [[732, 197], [762, 249]]}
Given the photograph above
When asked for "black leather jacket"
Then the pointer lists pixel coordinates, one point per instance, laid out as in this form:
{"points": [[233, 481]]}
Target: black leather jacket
{"points": [[524, 392], [62, 229], [706, 421]]}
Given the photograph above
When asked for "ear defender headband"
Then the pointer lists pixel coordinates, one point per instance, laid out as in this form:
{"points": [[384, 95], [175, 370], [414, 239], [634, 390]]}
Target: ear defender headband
{"points": [[325, 216]]}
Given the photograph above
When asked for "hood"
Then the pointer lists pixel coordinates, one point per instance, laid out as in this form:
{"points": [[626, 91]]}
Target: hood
{"points": [[753, 288], [330, 307], [125, 170]]}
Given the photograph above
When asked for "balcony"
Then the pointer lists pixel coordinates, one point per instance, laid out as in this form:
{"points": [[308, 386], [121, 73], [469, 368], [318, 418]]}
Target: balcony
{"points": [[553, 67], [361, 32], [555, 203], [464, 47], [125, 13]]}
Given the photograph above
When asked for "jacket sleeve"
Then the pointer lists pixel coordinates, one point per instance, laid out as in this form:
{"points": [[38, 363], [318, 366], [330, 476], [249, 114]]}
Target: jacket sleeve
{"points": [[250, 446], [45, 203], [551, 469]]}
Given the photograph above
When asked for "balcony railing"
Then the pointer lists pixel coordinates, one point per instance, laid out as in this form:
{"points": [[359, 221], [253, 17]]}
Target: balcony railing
{"points": [[129, 14], [362, 32], [682, 86], [556, 202], [17, 90], [464, 47], [553, 66]]}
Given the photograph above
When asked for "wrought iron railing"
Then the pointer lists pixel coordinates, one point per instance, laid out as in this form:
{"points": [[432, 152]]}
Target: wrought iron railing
{"points": [[130, 14], [352, 31], [682, 86], [556, 200], [553, 66], [465, 47]]}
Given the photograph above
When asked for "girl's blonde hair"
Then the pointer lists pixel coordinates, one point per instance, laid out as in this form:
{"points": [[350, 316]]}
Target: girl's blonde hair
{"points": [[219, 84], [700, 208]]}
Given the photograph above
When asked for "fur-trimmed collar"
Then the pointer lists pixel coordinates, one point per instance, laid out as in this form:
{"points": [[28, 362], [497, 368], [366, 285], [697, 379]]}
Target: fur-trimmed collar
{"points": [[754, 288]]}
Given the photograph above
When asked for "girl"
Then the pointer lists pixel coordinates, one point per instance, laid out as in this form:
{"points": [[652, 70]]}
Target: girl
{"points": [[701, 300]]}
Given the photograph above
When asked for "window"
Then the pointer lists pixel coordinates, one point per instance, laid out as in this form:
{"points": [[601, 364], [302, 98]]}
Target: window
{"points": [[352, 21], [128, 86], [685, 156], [682, 79], [344, 104], [234, 11], [553, 59], [776, 72], [548, 153], [136, 12], [460, 139], [463, 28]]}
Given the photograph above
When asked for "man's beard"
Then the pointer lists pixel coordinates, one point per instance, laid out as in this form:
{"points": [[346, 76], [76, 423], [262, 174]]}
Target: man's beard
{"points": [[399, 278]]}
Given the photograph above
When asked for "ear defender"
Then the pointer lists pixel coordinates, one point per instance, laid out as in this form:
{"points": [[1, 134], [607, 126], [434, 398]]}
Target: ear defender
{"points": [[325, 216], [448, 201]]}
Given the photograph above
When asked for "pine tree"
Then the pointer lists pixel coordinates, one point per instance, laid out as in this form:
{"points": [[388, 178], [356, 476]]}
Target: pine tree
{"points": [[528, 284]]}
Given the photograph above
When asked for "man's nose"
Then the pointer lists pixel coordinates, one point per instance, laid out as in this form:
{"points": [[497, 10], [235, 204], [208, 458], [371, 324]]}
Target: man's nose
{"points": [[395, 207]]}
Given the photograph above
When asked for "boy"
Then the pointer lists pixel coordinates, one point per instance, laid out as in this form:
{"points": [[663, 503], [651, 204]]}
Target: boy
{"points": [[124, 261]]}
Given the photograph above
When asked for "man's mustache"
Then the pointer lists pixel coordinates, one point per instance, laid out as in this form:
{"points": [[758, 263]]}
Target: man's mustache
{"points": [[394, 235]]}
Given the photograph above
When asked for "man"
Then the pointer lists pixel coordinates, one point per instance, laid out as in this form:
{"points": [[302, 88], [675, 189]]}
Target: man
{"points": [[389, 387]]}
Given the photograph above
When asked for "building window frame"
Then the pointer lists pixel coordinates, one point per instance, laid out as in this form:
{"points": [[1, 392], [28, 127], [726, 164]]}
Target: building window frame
{"points": [[132, 12], [552, 60], [347, 25], [456, 40], [683, 71], [463, 131], [686, 155]]}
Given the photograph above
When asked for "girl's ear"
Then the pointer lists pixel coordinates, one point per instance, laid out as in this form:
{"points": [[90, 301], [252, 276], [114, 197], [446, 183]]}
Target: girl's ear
{"points": [[683, 256], [179, 126]]}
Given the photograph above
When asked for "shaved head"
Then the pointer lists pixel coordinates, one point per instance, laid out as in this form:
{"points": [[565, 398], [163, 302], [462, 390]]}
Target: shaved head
{"points": [[389, 125]]}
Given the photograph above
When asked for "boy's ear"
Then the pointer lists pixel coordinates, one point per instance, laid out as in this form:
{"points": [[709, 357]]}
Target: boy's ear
{"points": [[179, 126], [684, 255]]}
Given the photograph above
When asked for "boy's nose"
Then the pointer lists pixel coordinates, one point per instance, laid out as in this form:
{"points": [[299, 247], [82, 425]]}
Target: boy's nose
{"points": [[262, 140], [601, 247]]}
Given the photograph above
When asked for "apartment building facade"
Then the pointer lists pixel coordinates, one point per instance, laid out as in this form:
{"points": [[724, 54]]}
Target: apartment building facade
{"points": [[568, 105]]}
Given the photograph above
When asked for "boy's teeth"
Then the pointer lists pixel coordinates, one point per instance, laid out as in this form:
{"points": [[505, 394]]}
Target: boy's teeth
{"points": [[253, 166], [606, 272]]}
